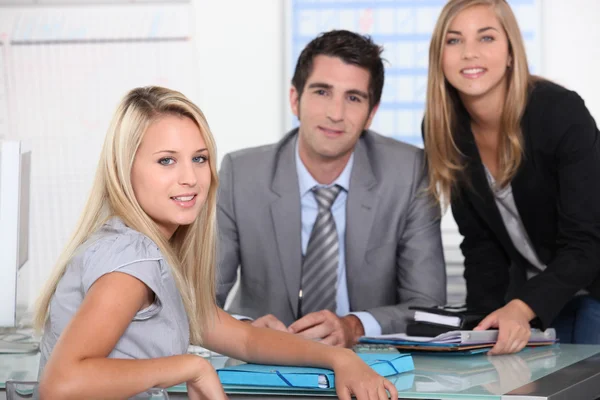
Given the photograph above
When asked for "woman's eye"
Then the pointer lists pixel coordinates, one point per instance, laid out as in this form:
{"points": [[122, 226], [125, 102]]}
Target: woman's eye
{"points": [[200, 159], [452, 41], [166, 161]]}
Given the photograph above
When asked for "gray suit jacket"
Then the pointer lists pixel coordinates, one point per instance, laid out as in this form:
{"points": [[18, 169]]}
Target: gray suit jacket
{"points": [[394, 255]]}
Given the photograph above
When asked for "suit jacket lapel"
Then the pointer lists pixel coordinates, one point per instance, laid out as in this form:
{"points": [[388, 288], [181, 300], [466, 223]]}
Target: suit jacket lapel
{"points": [[285, 212], [360, 213]]}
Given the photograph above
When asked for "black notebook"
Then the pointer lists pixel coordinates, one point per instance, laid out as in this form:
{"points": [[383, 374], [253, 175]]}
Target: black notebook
{"points": [[457, 317], [427, 329]]}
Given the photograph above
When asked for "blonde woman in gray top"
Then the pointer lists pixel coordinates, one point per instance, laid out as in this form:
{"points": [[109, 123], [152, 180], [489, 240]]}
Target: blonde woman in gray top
{"points": [[135, 283]]}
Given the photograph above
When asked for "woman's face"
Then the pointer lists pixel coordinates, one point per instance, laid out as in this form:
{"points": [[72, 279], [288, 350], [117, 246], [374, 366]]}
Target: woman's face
{"points": [[171, 174], [476, 54]]}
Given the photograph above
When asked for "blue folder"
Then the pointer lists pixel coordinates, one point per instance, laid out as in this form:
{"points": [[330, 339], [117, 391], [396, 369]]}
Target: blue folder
{"points": [[385, 364]]}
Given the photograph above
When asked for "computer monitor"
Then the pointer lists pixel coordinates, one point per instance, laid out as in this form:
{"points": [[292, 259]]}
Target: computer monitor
{"points": [[15, 181]]}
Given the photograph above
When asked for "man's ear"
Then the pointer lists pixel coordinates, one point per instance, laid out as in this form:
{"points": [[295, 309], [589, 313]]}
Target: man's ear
{"points": [[295, 101], [371, 116]]}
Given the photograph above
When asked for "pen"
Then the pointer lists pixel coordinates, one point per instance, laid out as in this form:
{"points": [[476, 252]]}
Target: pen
{"points": [[299, 304]]}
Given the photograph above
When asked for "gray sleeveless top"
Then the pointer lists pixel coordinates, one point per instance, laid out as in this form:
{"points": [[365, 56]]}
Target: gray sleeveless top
{"points": [[160, 330]]}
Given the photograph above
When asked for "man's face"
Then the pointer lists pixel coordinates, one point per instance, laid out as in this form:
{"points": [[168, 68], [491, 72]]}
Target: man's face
{"points": [[333, 109]]}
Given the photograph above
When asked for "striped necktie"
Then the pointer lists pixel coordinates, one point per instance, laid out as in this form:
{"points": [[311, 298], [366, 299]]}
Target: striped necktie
{"points": [[319, 268]]}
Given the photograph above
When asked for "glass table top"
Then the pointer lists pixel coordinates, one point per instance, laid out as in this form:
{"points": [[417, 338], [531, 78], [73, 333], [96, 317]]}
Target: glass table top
{"points": [[440, 376]]}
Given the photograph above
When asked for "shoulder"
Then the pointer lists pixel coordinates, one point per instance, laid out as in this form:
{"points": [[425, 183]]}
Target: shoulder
{"points": [[386, 150], [388, 145], [257, 164], [115, 245], [262, 153], [247, 168], [550, 100], [553, 110], [252, 153], [393, 163]]}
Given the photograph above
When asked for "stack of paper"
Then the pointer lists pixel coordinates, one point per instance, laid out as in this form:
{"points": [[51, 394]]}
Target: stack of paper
{"points": [[472, 341]]}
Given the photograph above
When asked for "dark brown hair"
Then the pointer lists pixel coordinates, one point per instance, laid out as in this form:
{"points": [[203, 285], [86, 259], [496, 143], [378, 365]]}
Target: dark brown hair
{"points": [[351, 48]]}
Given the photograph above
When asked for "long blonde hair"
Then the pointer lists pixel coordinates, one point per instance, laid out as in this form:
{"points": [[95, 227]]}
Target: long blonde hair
{"points": [[445, 161], [191, 251]]}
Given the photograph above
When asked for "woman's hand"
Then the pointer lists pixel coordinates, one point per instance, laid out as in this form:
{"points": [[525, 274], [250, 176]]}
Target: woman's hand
{"points": [[512, 322], [353, 376], [206, 386]]}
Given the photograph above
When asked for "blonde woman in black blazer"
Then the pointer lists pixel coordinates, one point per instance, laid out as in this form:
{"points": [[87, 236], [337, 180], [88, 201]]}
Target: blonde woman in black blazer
{"points": [[519, 159]]}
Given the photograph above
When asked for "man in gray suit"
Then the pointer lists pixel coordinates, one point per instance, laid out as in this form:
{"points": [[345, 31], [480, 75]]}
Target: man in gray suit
{"points": [[332, 228]]}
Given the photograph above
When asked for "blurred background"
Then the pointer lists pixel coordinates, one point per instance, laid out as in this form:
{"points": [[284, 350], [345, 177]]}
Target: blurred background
{"points": [[64, 66]]}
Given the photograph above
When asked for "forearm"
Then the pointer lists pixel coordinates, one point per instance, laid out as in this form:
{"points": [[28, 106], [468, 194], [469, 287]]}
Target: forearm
{"points": [[245, 342], [267, 346], [103, 378], [548, 292]]}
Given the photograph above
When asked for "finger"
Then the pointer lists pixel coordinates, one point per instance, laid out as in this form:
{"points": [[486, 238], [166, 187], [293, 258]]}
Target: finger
{"points": [[373, 393], [259, 323], [519, 346], [343, 393], [276, 324], [527, 333], [332, 340], [391, 388], [306, 322], [316, 332], [512, 348], [501, 348], [360, 393], [505, 338], [519, 338], [497, 350], [381, 393]]}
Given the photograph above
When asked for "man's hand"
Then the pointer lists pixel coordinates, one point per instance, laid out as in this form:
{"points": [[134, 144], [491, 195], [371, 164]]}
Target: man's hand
{"points": [[268, 321], [512, 322], [328, 328]]}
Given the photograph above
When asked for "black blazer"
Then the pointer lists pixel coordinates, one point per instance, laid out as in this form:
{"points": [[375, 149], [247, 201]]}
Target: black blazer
{"points": [[557, 194]]}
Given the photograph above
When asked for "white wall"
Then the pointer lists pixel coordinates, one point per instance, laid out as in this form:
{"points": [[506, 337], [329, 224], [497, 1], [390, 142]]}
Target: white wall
{"points": [[240, 45], [571, 47]]}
